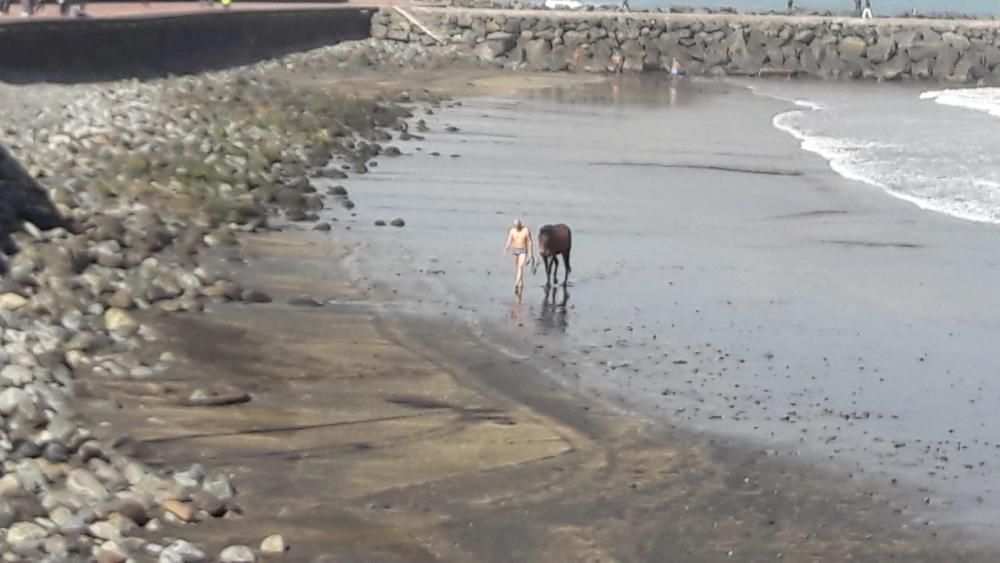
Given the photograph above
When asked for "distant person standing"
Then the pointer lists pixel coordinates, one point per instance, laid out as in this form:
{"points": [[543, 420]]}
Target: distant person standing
{"points": [[791, 6], [4, 7], [27, 8], [519, 243], [866, 14], [625, 7], [226, 3], [857, 8], [617, 62]]}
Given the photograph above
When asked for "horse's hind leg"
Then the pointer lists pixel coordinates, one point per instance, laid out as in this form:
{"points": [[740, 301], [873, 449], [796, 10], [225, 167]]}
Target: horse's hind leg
{"points": [[548, 270], [555, 269], [568, 268]]}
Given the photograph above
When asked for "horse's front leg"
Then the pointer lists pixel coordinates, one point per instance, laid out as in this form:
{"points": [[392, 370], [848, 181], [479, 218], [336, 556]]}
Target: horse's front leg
{"points": [[548, 270]]}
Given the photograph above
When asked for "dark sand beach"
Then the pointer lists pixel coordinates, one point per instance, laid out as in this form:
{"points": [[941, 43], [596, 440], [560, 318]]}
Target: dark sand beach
{"points": [[408, 411], [380, 435]]}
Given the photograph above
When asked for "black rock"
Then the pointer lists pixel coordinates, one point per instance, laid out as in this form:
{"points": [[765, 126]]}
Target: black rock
{"points": [[379, 223], [255, 296], [397, 222], [305, 301], [295, 215], [322, 227], [55, 452]]}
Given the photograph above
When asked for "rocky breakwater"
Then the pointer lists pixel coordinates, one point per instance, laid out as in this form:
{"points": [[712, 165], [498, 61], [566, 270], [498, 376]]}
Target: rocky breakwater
{"points": [[120, 190], [713, 44]]}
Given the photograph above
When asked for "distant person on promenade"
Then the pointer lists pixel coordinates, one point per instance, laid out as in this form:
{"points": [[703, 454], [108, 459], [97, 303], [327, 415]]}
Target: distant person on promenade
{"points": [[867, 12], [4, 7], [519, 244], [857, 8], [27, 8], [226, 3], [791, 6]]}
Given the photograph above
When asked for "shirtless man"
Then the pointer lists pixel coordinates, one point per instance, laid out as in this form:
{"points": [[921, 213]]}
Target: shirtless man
{"points": [[520, 244]]}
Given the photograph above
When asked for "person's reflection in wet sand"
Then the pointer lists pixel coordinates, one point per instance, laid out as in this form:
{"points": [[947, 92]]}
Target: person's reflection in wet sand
{"points": [[553, 314], [515, 311]]}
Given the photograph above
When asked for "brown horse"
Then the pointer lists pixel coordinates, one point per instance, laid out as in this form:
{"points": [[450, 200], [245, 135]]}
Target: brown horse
{"points": [[554, 240]]}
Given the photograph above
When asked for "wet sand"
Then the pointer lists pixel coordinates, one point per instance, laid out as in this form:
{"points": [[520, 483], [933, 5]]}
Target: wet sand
{"points": [[377, 434]]}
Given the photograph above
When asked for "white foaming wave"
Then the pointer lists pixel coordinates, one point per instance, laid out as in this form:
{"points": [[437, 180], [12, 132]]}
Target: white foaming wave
{"points": [[808, 104], [837, 152], [986, 100], [964, 198]]}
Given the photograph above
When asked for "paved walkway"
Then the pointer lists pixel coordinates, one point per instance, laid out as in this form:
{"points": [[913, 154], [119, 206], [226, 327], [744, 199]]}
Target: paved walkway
{"points": [[50, 9], [423, 8]]}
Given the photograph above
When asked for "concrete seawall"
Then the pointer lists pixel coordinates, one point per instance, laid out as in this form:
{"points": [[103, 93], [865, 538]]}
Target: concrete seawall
{"points": [[713, 44], [145, 47]]}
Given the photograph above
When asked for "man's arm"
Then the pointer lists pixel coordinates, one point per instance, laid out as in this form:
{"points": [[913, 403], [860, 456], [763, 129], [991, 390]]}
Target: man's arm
{"points": [[531, 246], [506, 244]]}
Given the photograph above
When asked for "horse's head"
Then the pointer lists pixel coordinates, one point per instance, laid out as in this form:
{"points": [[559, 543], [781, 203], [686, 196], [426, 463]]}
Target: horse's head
{"points": [[543, 240]]}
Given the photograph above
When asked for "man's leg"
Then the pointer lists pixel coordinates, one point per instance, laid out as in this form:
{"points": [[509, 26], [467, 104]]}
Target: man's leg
{"points": [[522, 259]]}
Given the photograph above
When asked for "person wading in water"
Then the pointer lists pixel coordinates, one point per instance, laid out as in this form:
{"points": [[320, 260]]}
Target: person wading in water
{"points": [[520, 244]]}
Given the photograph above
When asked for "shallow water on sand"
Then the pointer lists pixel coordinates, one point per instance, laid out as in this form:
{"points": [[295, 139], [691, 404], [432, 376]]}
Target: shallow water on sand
{"points": [[724, 279]]}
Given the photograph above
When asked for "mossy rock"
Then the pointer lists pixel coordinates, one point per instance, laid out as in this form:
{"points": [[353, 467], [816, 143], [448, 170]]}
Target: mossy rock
{"points": [[221, 210], [314, 202], [137, 163], [271, 152], [290, 198]]}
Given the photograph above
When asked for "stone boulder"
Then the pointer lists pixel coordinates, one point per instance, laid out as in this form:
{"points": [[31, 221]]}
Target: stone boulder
{"points": [[921, 69], [926, 50], [990, 57], [956, 40], [852, 47], [894, 68], [537, 53], [882, 50], [496, 44], [944, 64], [967, 69]]}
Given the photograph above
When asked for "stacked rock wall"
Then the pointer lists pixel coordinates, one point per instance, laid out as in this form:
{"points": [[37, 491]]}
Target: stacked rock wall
{"points": [[714, 44], [98, 49]]}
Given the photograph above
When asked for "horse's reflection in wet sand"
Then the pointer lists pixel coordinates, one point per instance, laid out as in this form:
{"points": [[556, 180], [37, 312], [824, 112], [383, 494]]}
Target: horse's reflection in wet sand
{"points": [[553, 314]]}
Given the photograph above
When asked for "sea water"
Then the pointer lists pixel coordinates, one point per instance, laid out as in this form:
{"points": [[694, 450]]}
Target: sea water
{"points": [[938, 149]]}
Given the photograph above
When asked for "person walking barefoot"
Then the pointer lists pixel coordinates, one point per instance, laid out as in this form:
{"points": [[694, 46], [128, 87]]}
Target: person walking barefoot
{"points": [[519, 243]]}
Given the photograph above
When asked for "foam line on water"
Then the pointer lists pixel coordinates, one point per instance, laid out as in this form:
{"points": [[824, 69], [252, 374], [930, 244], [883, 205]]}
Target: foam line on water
{"points": [[986, 100], [851, 159]]}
